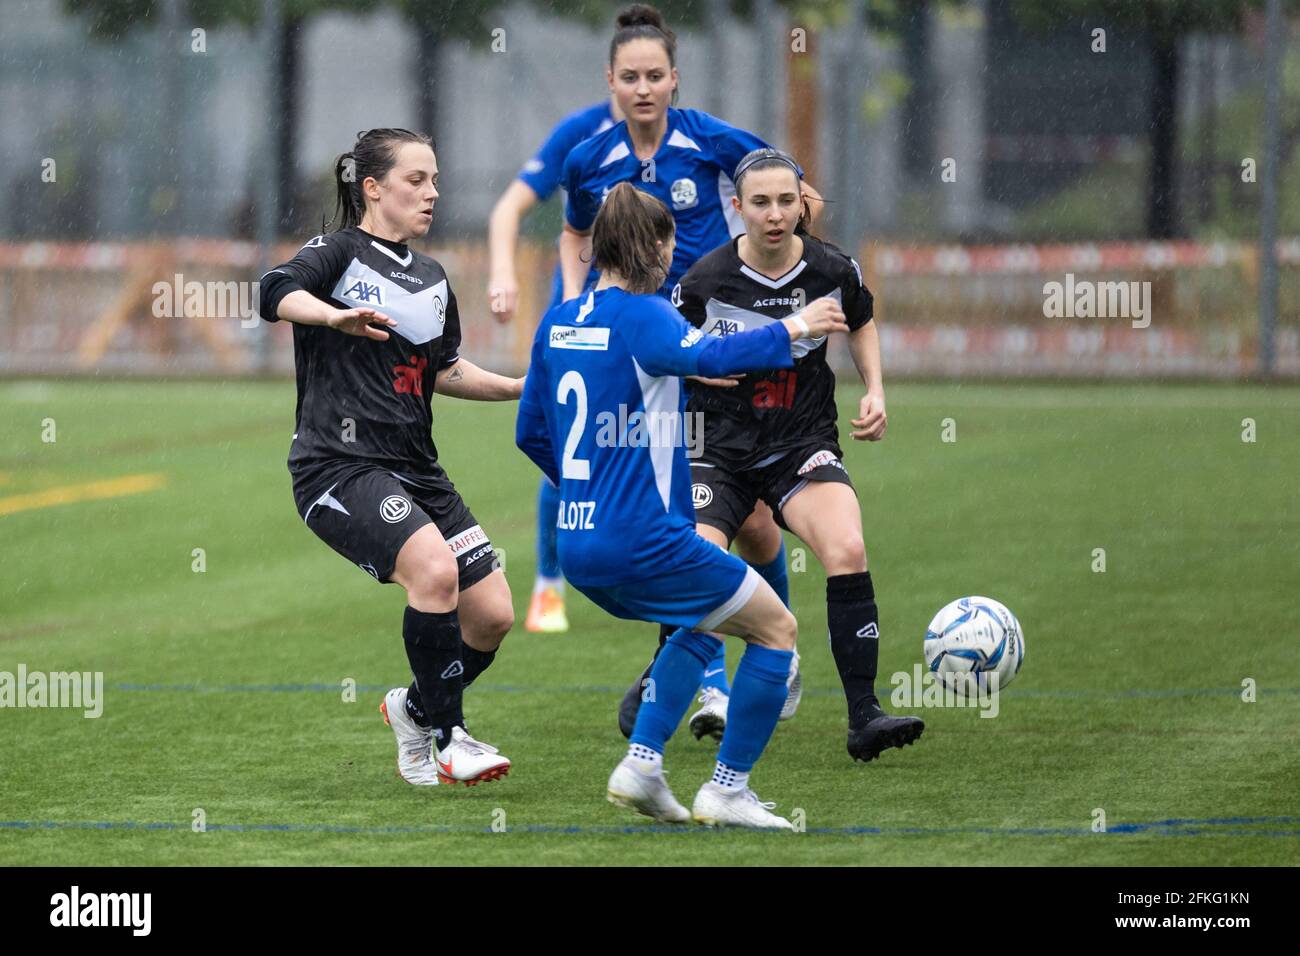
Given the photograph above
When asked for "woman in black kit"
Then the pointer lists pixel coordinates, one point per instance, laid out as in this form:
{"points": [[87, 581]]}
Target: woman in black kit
{"points": [[376, 332]]}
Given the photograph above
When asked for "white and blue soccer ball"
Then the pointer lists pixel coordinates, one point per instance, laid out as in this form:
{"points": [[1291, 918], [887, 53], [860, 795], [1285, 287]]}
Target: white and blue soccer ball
{"points": [[974, 637]]}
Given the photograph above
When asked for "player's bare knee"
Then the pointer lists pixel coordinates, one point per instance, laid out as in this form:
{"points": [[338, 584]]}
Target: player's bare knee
{"points": [[845, 555], [500, 620], [435, 583], [782, 632]]}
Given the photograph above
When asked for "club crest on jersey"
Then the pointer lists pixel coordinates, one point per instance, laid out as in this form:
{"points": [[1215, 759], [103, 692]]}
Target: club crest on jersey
{"points": [[394, 508], [684, 194], [367, 292], [701, 495]]}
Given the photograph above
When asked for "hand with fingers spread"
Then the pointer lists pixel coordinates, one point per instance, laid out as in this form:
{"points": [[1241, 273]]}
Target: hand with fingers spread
{"points": [[361, 322]]}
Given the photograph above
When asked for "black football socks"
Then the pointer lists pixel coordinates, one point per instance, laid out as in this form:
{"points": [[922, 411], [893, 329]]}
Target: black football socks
{"points": [[475, 661], [853, 621], [433, 646]]}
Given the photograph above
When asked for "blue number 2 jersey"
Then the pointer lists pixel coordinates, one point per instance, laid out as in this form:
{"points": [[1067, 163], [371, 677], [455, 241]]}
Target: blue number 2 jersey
{"points": [[602, 416]]}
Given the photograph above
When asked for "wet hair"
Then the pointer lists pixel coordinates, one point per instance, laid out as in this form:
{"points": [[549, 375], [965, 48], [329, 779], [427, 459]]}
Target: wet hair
{"points": [[626, 235], [373, 155], [642, 21], [769, 158]]}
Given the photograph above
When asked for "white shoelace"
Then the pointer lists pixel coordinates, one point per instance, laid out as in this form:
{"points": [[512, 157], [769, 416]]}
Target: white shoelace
{"points": [[764, 804]]}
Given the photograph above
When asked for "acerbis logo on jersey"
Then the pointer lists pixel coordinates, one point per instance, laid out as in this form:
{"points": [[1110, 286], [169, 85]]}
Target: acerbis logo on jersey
{"points": [[480, 553], [317, 242], [701, 495], [362, 291], [403, 275], [779, 300], [821, 458], [676, 297], [684, 194], [394, 508]]}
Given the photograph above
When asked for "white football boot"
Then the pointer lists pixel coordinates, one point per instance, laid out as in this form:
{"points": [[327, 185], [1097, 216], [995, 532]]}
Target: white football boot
{"points": [[414, 760], [469, 761], [717, 806], [710, 719], [793, 690], [646, 793]]}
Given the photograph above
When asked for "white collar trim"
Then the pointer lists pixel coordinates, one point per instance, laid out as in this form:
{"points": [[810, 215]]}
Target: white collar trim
{"points": [[774, 283], [392, 255]]}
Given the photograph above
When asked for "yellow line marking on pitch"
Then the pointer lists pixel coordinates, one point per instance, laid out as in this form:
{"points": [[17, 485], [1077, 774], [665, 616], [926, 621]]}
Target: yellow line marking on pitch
{"points": [[89, 491]]}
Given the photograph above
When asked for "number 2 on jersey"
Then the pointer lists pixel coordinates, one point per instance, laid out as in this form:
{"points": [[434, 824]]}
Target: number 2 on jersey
{"points": [[579, 469]]}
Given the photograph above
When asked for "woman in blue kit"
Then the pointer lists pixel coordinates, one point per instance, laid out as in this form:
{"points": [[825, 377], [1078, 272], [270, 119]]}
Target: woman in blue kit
{"points": [[684, 158], [626, 534]]}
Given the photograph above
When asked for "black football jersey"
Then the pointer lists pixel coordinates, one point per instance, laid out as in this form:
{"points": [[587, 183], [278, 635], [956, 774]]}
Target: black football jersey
{"points": [[779, 410], [359, 398]]}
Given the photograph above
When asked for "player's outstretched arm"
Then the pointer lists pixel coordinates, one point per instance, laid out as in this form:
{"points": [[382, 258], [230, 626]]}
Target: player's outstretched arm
{"points": [[745, 352], [302, 307], [464, 379]]}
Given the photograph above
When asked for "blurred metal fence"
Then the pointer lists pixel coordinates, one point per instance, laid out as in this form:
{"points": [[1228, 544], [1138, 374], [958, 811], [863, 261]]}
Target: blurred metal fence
{"points": [[188, 307]]}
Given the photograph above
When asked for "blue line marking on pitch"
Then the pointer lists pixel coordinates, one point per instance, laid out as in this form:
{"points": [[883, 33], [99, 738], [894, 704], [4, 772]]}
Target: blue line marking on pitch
{"points": [[596, 689], [1176, 827]]}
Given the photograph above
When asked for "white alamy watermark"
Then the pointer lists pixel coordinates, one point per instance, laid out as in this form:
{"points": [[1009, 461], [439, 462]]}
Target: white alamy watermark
{"points": [[179, 298], [1085, 299], [923, 688], [77, 690], [75, 908], [639, 429]]}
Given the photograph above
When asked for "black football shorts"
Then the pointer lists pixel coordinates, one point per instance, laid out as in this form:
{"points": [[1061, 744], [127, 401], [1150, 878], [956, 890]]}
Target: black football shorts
{"points": [[366, 513], [724, 497]]}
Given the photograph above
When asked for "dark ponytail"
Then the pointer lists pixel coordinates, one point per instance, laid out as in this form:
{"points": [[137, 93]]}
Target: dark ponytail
{"points": [[642, 21], [626, 235], [372, 156]]}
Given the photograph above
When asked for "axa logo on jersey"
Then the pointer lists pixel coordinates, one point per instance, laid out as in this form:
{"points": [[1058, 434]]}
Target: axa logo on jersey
{"points": [[363, 291]]}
